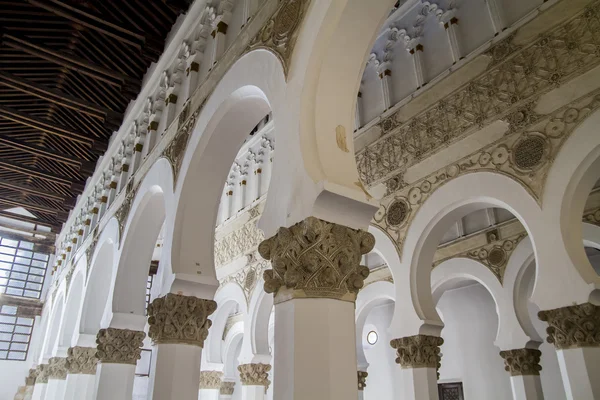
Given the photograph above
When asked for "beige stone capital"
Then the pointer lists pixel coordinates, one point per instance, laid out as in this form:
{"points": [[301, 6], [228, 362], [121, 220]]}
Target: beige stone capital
{"points": [[210, 380], [42, 373], [180, 319], [315, 258], [255, 374], [573, 326], [362, 379], [82, 360], [57, 368], [30, 379], [419, 351], [522, 361], [227, 388], [119, 346]]}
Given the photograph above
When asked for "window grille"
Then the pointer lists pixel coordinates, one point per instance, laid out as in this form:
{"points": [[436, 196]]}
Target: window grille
{"points": [[15, 334], [22, 270]]}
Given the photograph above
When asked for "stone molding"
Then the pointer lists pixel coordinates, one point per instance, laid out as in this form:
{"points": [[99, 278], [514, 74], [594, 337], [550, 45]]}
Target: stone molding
{"points": [[82, 360], [573, 326], [315, 258], [522, 361], [210, 380], [180, 319], [227, 388], [57, 368], [119, 346], [362, 379], [255, 374], [419, 351]]}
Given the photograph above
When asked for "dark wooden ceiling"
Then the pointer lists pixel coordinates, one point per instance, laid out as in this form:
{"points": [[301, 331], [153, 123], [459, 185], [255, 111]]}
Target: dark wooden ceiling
{"points": [[68, 70]]}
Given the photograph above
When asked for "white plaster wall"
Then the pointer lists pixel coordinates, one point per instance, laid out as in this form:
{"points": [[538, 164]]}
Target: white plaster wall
{"points": [[468, 352], [12, 375], [140, 388], [380, 356]]}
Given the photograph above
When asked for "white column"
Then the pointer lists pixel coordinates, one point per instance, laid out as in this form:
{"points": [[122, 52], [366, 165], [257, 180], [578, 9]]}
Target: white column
{"points": [[255, 380], [218, 35], [385, 77], [55, 389], [210, 385], [417, 56], [419, 359], [575, 333], [177, 346], [358, 113], [81, 377], [450, 25], [208, 394], [524, 368], [495, 16], [39, 391], [116, 370]]}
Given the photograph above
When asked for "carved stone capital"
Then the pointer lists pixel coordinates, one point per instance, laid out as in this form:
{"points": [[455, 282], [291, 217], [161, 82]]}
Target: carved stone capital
{"points": [[82, 360], [315, 258], [255, 374], [42, 373], [419, 351], [522, 361], [57, 368], [180, 319], [119, 346], [573, 326], [362, 379], [30, 379], [210, 380], [227, 388]]}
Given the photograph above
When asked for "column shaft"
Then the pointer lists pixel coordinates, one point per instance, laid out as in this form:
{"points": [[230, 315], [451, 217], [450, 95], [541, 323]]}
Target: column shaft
{"points": [[208, 394], [580, 370], [55, 389], [418, 383], [39, 391], [175, 372], [80, 387], [526, 387], [114, 381]]}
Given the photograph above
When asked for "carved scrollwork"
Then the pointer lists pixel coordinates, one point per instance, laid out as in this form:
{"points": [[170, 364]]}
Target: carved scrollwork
{"points": [[175, 150], [227, 388], [238, 243], [315, 258], [419, 351], [573, 326], [522, 361], [119, 346], [82, 360], [57, 368], [210, 380], [180, 319], [255, 374]]}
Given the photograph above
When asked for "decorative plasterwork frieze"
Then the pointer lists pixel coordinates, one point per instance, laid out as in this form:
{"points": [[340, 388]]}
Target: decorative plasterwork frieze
{"points": [[180, 319], [119, 346], [239, 242], [514, 77], [280, 33], [122, 212], [493, 255], [248, 277], [573, 326], [419, 351], [522, 361], [525, 155], [175, 150], [315, 258], [255, 374]]}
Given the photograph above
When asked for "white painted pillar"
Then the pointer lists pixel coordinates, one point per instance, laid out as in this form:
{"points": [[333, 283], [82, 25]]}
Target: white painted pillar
{"points": [[450, 26], [208, 394], [524, 368], [116, 370], [575, 332], [580, 370], [39, 391], [80, 387], [177, 347], [495, 16], [57, 374], [253, 392], [56, 389], [385, 77], [417, 56], [81, 377], [243, 189], [419, 360], [358, 113], [526, 387]]}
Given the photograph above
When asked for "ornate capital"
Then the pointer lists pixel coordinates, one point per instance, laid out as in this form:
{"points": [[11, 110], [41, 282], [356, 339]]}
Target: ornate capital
{"points": [[315, 258], [227, 388], [57, 368], [573, 326], [82, 360], [419, 351], [119, 346], [42, 373], [210, 380], [180, 319], [255, 374], [30, 379], [362, 379], [522, 361]]}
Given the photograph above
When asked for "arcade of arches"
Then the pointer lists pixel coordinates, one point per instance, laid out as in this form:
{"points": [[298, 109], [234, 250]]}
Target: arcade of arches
{"points": [[340, 199]]}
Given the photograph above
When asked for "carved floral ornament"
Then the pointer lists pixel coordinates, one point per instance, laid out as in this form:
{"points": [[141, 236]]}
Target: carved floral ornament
{"points": [[180, 319], [419, 351], [315, 258], [255, 374], [522, 361], [210, 380], [573, 326], [57, 368], [82, 360], [42, 373], [227, 388], [119, 346], [175, 150], [247, 277]]}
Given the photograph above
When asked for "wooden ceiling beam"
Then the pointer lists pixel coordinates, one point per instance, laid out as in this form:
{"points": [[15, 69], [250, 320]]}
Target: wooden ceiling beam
{"points": [[34, 191], [39, 173], [40, 151], [48, 127], [29, 206], [36, 221], [57, 97], [82, 66]]}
